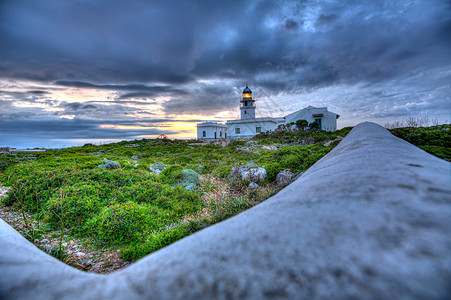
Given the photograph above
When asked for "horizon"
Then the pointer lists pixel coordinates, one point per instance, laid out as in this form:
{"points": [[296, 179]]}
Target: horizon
{"points": [[78, 72]]}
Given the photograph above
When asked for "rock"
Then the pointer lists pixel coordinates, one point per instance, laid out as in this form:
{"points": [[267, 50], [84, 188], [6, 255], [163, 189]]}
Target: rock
{"points": [[190, 180], [253, 185], [328, 143], [250, 165], [135, 165], [269, 147], [306, 141], [249, 174], [284, 177], [134, 157], [80, 254], [45, 241], [85, 262], [354, 227], [109, 164], [251, 144], [157, 167]]}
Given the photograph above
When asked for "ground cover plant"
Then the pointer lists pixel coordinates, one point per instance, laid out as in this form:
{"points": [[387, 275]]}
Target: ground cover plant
{"points": [[135, 197], [435, 140]]}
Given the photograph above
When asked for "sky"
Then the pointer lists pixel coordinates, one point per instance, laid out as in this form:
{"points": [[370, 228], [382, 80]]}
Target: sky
{"points": [[80, 71]]}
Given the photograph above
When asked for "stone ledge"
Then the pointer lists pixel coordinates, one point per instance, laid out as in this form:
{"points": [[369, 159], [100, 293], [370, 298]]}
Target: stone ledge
{"points": [[371, 220]]}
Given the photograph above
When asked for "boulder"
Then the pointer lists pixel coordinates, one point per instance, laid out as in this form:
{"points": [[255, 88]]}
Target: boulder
{"points": [[249, 174], [109, 164], [157, 167], [190, 180], [253, 185], [251, 144], [284, 177], [306, 141], [328, 143]]}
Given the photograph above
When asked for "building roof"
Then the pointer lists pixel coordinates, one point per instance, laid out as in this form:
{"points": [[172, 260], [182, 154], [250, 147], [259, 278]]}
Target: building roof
{"points": [[247, 90], [256, 120], [211, 124]]}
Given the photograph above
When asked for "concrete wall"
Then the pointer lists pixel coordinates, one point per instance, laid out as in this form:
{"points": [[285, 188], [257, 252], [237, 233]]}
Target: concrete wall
{"points": [[371, 220]]}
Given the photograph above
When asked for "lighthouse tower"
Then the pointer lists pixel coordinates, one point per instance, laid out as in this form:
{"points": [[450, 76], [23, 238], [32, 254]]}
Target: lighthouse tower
{"points": [[247, 106]]}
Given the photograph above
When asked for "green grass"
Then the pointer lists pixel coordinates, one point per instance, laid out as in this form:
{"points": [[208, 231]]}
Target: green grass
{"points": [[132, 209]]}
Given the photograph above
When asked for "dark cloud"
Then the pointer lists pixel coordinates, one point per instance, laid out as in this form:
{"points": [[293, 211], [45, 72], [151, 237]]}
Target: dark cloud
{"points": [[78, 106], [324, 19], [142, 51], [141, 95], [150, 90], [207, 99], [36, 92], [291, 24]]}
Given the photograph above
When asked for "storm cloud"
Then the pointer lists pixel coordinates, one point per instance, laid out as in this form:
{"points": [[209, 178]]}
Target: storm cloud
{"points": [[169, 59]]}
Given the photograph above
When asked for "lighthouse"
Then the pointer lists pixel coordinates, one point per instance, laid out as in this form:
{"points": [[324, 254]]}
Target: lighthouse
{"points": [[248, 125], [247, 105]]}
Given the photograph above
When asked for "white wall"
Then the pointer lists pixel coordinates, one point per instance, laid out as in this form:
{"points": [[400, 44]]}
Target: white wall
{"points": [[210, 131], [247, 112], [248, 129], [328, 120]]}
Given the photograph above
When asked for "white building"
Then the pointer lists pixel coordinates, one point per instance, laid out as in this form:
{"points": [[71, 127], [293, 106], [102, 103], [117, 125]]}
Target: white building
{"points": [[326, 120], [211, 131], [248, 126]]}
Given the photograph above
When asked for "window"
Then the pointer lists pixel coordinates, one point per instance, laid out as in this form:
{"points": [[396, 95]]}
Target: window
{"points": [[237, 130], [220, 133], [258, 129], [245, 112], [204, 133]]}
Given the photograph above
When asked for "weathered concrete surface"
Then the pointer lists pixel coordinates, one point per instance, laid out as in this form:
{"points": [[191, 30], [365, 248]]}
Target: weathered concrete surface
{"points": [[371, 220]]}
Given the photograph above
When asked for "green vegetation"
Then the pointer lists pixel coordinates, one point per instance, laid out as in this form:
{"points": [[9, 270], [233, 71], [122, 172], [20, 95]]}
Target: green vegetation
{"points": [[435, 140], [139, 196]]}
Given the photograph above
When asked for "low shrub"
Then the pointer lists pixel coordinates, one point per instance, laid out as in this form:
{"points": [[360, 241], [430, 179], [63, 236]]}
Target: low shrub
{"points": [[75, 204], [159, 241], [123, 223]]}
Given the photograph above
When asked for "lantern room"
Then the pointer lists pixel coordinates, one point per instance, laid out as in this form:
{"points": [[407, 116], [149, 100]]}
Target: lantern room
{"points": [[247, 93]]}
